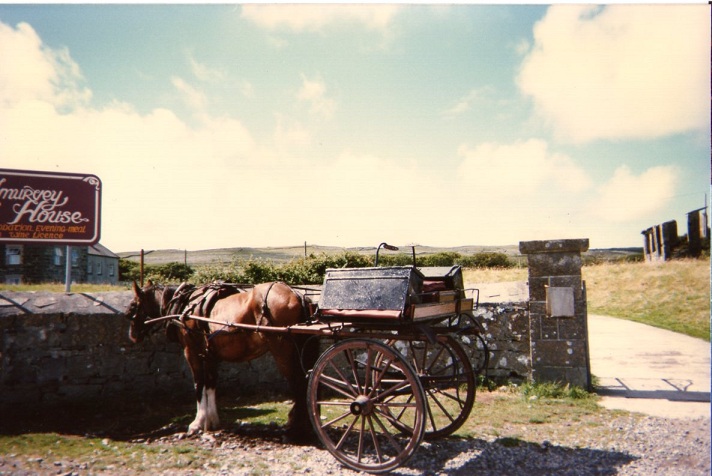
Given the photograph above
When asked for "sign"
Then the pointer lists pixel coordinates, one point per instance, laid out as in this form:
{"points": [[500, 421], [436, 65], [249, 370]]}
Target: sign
{"points": [[49, 207]]}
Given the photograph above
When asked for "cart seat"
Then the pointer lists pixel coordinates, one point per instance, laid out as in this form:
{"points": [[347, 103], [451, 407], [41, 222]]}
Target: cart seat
{"points": [[442, 283]]}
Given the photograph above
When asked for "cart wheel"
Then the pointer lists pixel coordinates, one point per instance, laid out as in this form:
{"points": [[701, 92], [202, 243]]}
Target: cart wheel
{"points": [[448, 380], [469, 335], [356, 389]]}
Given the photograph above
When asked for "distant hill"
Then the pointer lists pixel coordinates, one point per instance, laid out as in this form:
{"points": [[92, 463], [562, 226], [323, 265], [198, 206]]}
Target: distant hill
{"points": [[287, 253]]}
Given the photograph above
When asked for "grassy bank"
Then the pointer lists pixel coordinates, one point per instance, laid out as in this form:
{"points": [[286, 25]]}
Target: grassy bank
{"points": [[674, 295]]}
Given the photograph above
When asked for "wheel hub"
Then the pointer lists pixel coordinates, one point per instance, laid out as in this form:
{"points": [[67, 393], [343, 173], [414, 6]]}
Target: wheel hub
{"points": [[362, 406]]}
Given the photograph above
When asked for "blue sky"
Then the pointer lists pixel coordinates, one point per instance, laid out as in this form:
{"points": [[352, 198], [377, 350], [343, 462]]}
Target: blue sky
{"points": [[270, 125]]}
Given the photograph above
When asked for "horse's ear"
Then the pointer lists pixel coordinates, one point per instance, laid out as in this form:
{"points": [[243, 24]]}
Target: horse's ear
{"points": [[149, 283], [137, 291]]}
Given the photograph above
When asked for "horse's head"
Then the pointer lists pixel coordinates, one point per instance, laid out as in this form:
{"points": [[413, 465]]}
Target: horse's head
{"points": [[145, 305]]}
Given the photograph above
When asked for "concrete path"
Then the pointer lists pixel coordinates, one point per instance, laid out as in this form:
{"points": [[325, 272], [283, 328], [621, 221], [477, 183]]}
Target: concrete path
{"points": [[649, 370]]}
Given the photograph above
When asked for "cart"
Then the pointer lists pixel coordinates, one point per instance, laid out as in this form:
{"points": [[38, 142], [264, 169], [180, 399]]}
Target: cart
{"points": [[402, 365]]}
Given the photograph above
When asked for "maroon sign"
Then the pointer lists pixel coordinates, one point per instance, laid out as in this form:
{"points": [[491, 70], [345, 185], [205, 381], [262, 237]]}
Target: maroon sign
{"points": [[49, 207]]}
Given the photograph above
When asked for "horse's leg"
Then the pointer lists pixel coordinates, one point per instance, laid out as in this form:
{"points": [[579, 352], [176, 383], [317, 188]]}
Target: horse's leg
{"points": [[212, 420], [204, 381], [289, 362], [196, 368], [206, 417]]}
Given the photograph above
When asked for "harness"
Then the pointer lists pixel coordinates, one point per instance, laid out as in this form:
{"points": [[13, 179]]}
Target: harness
{"points": [[178, 306]]}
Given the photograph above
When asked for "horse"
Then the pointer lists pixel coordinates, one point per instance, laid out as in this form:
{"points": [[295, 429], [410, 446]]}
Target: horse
{"points": [[205, 344]]}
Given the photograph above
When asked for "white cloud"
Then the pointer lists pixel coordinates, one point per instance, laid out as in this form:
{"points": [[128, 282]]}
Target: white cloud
{"points": [[30, 71], [313, 92], [159, 174], [209, 183], [629, 197], [205, 73], [192, 96], [522, 169], [620, 71], [465, 103], [316, 17], [290, 135], [245, 87]]}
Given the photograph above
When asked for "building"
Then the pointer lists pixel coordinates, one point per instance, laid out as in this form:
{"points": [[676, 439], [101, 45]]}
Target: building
{"points": [[31, 264], [661, 242]]}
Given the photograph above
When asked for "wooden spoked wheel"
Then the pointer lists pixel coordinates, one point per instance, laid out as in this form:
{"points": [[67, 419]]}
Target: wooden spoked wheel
{"points": [[367, 405], [469, 335], [449, 382]]}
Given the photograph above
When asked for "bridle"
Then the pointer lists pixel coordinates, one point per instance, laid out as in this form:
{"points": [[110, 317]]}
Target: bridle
{"points": [[138, 316]]}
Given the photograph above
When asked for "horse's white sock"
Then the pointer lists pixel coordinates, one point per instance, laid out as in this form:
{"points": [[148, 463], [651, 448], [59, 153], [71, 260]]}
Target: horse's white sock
{"points": [[211, 407]]}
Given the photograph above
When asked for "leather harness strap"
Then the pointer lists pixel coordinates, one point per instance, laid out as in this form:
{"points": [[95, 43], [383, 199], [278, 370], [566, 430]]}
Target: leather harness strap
{"points": [[266, 314]]}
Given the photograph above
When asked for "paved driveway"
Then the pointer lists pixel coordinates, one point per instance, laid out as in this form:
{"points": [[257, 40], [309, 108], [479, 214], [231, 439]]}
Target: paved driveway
{"points": [[649, 370]]}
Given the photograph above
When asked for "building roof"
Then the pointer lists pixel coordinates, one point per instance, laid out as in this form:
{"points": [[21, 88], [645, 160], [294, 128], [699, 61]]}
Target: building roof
{"points": [[101, 250]]}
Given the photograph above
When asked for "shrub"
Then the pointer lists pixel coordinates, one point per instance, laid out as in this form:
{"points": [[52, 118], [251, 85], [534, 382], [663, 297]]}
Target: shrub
{"points": [[447, 258], [129, 270], [487, 260], [228, 273], [550, 390], [168, 273]]}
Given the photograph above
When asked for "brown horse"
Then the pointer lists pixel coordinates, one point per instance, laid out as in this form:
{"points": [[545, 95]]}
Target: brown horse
{"points": [[205, 344]]}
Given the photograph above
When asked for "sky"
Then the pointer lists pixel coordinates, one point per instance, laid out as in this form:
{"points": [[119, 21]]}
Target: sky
{"points": [[220, 126]]}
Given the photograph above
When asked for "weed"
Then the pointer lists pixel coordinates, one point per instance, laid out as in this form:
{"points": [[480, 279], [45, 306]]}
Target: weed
{"points": [[555, 391]]}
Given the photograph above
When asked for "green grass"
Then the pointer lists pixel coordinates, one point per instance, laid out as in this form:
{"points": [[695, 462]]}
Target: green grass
{"points": [[100, 454], [674, 295], [59, 288], [510, 415]]}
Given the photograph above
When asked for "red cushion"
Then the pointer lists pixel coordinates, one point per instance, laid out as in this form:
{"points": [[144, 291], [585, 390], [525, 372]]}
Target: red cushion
{"points": [[348, 314]]}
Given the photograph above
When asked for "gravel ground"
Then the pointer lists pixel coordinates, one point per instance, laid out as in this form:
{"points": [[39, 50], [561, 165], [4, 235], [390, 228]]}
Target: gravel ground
{"points": [[626, 445]]}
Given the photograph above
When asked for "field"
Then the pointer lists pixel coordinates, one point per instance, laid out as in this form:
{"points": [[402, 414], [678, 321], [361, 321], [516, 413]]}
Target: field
{"points": [[674, 295], [286, 253]]}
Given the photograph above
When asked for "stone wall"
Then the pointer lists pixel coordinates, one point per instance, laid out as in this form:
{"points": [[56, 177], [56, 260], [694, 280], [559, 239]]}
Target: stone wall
{"points": [[56, 347], [503, 311], [507, 333]]}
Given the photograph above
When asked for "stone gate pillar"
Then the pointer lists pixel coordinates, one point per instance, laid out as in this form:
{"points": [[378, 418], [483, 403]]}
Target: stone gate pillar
{"points": [[557, 312]]}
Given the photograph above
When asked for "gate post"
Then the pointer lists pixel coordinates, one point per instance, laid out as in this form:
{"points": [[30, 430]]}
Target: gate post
{"points": [[558, 326]]}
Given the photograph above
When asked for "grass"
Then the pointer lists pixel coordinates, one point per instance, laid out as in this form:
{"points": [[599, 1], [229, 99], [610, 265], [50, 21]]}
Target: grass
{"points": [[110, 436], [59, 288], [99, 454], [121, 436], [674, 295], [539, 413]]}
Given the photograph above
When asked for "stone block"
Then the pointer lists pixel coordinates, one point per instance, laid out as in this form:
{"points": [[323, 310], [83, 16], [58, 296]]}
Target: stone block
{"points": [[559, 353], [549, 329], [578, 245], [573, 329], [541, 265], [537, 288]]}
